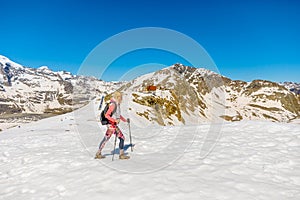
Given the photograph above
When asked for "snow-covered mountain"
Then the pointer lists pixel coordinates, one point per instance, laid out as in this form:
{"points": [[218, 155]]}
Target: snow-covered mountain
{"points": [[172, 96], [293, 87], [187, 95], [28, 94]]}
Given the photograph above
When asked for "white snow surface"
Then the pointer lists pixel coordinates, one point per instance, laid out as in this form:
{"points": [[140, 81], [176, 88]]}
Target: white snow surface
{"points": [[4, 60], [53, 159]]}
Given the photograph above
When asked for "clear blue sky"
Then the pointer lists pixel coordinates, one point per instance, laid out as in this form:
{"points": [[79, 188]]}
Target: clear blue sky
{"points": [[246, 39]]}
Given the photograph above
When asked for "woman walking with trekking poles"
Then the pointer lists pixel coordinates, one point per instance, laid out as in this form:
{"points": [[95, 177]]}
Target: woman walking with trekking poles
{"points": [[112, 118]]}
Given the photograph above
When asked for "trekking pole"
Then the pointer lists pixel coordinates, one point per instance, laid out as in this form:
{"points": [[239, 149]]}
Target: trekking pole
{"points": [[114, 147], [128, 120]]}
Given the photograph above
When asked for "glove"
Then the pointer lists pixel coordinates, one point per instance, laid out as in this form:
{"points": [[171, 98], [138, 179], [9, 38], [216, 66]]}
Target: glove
{"points": [[128, 120]]}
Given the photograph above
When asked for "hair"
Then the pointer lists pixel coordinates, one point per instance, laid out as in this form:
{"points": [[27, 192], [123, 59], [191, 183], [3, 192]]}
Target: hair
{"points": [[117, 94]]}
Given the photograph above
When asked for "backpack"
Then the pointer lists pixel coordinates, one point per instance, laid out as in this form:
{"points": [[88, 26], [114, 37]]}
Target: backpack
{"points": [[103, 119]]}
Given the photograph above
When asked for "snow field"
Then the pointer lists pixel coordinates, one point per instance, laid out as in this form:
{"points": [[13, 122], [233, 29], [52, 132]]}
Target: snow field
{"points": [[53, 159]]}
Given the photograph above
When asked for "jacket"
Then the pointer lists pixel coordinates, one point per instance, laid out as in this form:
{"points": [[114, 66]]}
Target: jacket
{"points": [[114, 116]]}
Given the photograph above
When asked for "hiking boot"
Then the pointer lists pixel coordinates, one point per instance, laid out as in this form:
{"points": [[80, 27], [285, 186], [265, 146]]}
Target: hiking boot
{"points": [[122, 156], [99, 156]]}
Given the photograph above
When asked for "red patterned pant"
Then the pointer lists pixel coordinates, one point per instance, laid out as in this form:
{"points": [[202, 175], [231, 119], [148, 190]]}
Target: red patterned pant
{"points": [[112, 129]]}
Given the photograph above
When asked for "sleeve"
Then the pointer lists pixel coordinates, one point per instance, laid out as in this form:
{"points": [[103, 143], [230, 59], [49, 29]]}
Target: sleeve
{"points": [[122, 118], [109, 112]]}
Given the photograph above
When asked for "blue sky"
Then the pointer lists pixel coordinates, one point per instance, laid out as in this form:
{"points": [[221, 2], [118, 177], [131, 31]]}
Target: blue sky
{"points": [[246, 39]]}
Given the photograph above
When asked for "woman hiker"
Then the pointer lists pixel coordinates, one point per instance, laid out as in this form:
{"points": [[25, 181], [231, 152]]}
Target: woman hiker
{"points": [[114, 116]]}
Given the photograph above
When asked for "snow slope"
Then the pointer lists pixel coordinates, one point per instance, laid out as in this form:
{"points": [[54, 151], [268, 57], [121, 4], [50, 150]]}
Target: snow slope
{"points": [[53, 159]]}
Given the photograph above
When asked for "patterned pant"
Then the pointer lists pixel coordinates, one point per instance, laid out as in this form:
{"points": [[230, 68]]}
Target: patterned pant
{"points": [[112, 129]]}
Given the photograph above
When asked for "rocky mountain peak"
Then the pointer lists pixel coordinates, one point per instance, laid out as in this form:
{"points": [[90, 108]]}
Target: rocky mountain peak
{"points": [[186, 95]]}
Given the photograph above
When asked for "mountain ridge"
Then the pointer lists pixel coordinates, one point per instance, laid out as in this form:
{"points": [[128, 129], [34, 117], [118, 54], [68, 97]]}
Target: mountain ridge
{"points": [[183, 95], [205, 95], [29, 94]]}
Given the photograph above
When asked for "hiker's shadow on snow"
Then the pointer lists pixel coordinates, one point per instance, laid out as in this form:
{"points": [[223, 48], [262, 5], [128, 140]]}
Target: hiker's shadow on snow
{"points": [[117, 151]]}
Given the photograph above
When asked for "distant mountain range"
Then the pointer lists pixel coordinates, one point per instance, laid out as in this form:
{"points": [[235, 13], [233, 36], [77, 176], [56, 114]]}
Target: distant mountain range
{"points": [[293, 87], [28, 94], [172, 96]]}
